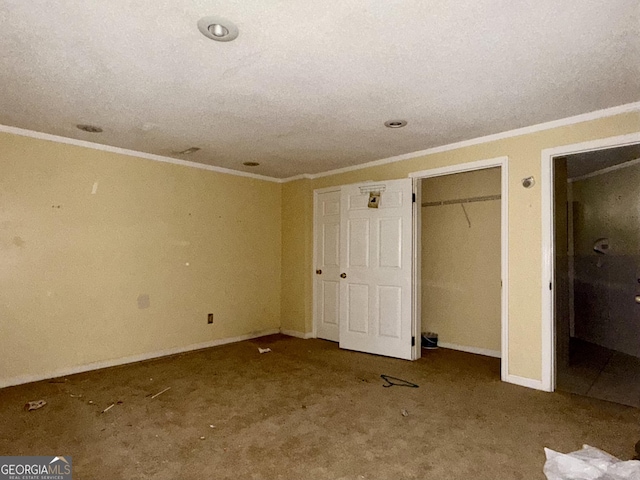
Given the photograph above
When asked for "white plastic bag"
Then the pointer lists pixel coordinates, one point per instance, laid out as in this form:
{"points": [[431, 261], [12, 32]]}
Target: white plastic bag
{"points": [[589, 463]]}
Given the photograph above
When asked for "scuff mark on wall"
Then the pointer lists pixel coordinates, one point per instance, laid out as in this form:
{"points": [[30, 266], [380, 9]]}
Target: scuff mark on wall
{"points": [[94, 190], [18, 242], [143, 301]]}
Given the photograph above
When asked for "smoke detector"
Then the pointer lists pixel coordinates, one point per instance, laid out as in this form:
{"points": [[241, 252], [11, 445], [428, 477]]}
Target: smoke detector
{"points": [[218, 28]]}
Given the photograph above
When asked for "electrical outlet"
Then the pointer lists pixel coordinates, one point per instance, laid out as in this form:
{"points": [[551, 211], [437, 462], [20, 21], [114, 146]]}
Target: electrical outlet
{"points": [[210, 318]]}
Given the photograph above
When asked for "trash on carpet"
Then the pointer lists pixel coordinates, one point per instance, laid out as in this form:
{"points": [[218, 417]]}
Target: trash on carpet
{"points": [[405, 413], [396, 382], [160, 393], [108, 408], [35, 405], [264, 350], [590, 463]]}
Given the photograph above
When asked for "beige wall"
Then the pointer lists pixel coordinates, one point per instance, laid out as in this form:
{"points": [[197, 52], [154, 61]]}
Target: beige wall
{"points": [[73, 265], [525, 255], [297, 203], [461, 260]]}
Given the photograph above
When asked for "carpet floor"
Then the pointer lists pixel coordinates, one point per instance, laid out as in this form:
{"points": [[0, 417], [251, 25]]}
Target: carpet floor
{"points": [[305, 410]]}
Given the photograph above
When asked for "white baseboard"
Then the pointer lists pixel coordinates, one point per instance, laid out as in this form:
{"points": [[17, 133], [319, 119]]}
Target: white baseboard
{"points": [[478, 351], [63, 372], [525, 382], [294, 333]]}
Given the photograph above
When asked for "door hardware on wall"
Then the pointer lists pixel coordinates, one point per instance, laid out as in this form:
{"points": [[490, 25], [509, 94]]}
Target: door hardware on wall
{"points": [[318, 272], [528, 182], [343, 275]]}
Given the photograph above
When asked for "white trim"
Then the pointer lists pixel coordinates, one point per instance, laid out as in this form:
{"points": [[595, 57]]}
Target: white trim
{"points": [[416, 278], [302, 176], [526, 382], [295, 333], [548, 261], [602, 171], [503, 163], [459, 168], [504, 273], [563, 122], [585, 117], [63, 372], [132, 153], [478, 351]]}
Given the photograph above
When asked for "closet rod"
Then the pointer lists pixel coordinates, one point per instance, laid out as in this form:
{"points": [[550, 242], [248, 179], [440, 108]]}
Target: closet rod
{"points": [[462, 200]]}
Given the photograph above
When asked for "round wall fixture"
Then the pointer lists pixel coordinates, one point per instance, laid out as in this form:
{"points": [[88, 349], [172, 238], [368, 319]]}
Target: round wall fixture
{"points": [[89, 128], [395, 123], [528, 182], [251, 164], [218, 28]]}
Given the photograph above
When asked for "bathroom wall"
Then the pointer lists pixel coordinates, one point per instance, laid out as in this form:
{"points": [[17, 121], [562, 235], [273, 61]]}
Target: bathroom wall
{"points": [[562, 290], [608, 206]]}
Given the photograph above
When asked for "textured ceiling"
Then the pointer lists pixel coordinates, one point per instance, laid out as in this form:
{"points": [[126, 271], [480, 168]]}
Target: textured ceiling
{"points": [[307, 85]]}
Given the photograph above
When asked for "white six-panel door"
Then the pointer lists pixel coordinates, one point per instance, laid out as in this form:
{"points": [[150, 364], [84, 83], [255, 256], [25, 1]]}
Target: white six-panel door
{"points": [[327, 273], [375, 261]]}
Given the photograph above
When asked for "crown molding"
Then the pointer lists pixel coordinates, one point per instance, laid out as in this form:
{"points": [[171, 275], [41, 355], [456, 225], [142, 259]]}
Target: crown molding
{"points": [[132, 153], [585, 117]]}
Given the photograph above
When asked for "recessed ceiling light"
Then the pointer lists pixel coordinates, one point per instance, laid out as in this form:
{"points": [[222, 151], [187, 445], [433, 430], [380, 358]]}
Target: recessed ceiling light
{"points": [[251, 164], [218, 28], [89, 128], [395, 123]]}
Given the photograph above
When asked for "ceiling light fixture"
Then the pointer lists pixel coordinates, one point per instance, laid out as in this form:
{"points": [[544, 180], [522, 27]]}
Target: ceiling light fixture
{"points": [[89, 128], [218, 28], [395, 123], [251, 164]]}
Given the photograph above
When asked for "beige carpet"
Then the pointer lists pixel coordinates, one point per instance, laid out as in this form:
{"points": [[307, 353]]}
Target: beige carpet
{"points": [[307, 410]]}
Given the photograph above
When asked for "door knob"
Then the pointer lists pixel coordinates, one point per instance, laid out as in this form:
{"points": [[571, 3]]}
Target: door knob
{"points": [[343, 275], [637, 298], [318, 272]]}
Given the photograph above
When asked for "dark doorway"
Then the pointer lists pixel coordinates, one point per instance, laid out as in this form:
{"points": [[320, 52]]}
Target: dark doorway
{"points": [[597, 244]]}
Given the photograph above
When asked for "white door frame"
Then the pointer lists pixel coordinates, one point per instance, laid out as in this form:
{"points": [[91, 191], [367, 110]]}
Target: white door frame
{"points": [[503, 163], [314, 291], [548, 247]]}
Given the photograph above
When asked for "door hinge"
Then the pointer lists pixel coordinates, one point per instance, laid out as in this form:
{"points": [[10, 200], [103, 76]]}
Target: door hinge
{"points": [[550, 286], [413, 341], [413, 198]]}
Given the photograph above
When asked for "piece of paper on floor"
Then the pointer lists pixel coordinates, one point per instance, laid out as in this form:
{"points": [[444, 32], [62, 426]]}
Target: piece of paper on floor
{"points": [[264, 350]]}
